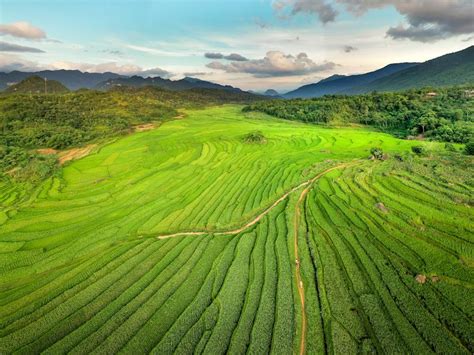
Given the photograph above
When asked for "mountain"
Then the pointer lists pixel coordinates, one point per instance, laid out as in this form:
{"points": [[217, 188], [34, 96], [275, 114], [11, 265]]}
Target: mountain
{"points": [[72, 79], [450, 69], [173, 85], [271, 92], [37, 85], [340, 84]]}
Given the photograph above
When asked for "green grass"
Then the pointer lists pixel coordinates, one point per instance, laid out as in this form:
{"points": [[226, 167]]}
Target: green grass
{"points": [[82, 269]]}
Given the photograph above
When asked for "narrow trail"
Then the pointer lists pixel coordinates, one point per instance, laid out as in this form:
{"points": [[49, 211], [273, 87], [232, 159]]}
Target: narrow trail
{"points": [[299, 281], [298, 278], [307, 183]]}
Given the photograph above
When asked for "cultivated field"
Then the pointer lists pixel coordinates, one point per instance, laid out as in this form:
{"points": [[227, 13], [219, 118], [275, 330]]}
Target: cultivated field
{"points": [[187, 238]]}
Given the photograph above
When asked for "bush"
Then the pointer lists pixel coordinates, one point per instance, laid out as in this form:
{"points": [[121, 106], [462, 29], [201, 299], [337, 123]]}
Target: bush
{"points": [[469, 148], [450, 147], [377, 153], [418, 149], [398, 157], [254, 137]]}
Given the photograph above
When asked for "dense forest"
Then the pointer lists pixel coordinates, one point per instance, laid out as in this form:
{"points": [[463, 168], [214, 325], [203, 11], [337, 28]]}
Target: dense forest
{"points": [[435, 114], [60, 121]]}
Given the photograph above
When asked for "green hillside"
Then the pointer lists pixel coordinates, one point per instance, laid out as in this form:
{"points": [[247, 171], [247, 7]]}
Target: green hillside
{"points": [[451, 69], [37, 85], [191, 238]]}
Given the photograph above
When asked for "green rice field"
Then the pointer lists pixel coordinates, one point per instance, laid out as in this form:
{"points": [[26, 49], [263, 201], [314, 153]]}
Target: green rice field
{"points": [[189, 239]]}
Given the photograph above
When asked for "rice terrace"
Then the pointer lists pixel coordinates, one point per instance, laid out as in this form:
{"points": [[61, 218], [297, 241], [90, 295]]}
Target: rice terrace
{"points": [[149, 211]]}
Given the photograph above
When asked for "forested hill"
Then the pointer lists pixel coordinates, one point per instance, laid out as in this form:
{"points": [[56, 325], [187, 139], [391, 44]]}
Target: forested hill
{"points": [[37, 85], [60, 121], [443, 114]]}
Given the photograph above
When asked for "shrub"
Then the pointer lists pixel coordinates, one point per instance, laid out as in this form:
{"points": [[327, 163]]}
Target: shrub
{"points": [[450, 147], [418, 149], [254, 137], [469, 148], [377, 153]]}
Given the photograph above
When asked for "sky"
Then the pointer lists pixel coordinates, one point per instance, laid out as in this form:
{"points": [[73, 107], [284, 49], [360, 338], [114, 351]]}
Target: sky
{"points": [[251, 44]]}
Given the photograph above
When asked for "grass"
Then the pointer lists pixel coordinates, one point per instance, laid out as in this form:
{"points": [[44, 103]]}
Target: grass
{"points": [[82, 269]]}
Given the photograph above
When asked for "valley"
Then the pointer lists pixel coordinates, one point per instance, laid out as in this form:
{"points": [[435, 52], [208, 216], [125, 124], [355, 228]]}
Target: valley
{"points": [[191, 238]]}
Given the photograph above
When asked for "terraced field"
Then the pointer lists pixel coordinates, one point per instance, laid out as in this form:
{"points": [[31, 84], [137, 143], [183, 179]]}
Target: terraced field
{"points": [[187, 239]]}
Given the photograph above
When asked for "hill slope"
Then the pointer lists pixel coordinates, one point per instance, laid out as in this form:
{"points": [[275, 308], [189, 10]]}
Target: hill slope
{"points": [[37, 85], [451, 69], [86, 269], [338, 84]]}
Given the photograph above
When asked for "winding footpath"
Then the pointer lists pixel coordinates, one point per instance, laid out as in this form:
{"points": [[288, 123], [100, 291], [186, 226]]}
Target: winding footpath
{"points": [[299, 281]]}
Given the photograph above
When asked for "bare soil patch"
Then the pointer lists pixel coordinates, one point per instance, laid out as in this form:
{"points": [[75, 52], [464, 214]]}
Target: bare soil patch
{"points": [[75, 153], [144, 127]]}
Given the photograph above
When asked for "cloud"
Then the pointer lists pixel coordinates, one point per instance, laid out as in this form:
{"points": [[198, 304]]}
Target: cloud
{"points": [[114, 67], [416, 33], [275, 63], [197, 73], [430, 21], [427, 20], [11, 47], [11, 62], [232, 57], [212, 55], [154, 72], [22, 30], [321, 8], [349, 49], [235, 57]]}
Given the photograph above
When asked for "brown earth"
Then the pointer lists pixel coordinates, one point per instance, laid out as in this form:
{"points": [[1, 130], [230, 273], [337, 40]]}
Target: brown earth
{"points": [[75, 153]]}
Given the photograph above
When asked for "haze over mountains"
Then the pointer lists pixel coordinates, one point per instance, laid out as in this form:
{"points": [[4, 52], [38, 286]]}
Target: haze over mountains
{"points": [[451, 69]]}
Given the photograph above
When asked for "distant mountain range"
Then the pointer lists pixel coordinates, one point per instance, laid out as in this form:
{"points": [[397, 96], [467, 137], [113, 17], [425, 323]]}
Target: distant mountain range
{"points": [[173, 85], [72, 79], [75, 79], [451, 69]]}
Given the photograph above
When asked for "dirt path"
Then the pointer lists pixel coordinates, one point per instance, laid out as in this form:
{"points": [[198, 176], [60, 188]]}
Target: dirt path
{"points": [[298, 278], [299, 281], [261, 215]]}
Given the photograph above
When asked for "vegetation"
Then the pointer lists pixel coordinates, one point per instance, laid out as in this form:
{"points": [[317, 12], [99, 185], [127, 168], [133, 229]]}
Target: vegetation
{"points": [[37, 85], [470, 148], [29, 122], [444, 115], [377, 153], [254, 137], [385, 263]]}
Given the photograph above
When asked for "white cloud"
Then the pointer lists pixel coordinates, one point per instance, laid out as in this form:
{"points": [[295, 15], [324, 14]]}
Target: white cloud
{"points": [[275, 63], [114, 67], [11, 62], [22, 29]]}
